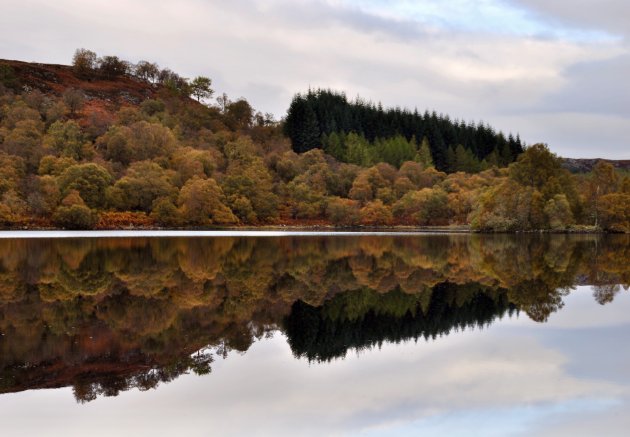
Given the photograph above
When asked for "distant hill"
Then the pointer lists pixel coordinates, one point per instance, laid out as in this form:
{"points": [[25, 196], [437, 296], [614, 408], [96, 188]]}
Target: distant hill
{"points": [[586, 165]]}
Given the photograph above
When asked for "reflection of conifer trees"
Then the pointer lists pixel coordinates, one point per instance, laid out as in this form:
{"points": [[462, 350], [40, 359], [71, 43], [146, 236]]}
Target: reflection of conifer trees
{"points": [[363, 319]]}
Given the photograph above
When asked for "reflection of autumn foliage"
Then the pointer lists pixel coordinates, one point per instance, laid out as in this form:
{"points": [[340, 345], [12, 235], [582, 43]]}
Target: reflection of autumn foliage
{"points": [[106, 315]]}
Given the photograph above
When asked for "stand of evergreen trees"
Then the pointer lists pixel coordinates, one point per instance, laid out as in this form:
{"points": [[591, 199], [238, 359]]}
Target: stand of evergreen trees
{"points": [[313, 117]]}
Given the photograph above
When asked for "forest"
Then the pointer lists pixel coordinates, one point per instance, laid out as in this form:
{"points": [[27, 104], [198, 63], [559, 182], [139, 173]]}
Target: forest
{"points": [[109, 144], [325, 119]]}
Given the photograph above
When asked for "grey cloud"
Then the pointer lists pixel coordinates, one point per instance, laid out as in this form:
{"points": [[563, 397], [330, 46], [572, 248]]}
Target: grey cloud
{"points": [[612, 16], [595, 87], [315, 14]]}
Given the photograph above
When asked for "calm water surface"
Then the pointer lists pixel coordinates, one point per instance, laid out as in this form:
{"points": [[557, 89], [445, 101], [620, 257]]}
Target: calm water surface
{"points": [[314, 335]]}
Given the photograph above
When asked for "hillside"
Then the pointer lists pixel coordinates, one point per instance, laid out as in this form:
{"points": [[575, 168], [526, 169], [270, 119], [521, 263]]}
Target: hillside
{"points": [[55, 79], [110, 144], [587, 165]]}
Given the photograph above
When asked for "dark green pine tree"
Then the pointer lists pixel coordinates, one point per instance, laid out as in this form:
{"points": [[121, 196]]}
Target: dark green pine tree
{"points": [[301, 125], [310, 134]]}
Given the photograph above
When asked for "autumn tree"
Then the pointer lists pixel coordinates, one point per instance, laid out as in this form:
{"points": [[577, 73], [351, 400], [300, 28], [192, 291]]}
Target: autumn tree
{"points": [[375, 213], [603, 180], [189, 162], [148, 71], [239, 114], [12, 172], [67, 139], [12, 207], [139, 141], [304, 201], [558, 212], [366, 185], [423, 207], [614, 212], [536, 167], [44, 195], [112, 67], [202, 203], [343, 212], [248, 184], [509, 206], [84, 62], [74, 100], [174, 82], [144, 183], [55, 165]]}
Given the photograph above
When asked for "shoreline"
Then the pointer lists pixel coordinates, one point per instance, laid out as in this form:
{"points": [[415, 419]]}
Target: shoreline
{"points": [[271, 231]]}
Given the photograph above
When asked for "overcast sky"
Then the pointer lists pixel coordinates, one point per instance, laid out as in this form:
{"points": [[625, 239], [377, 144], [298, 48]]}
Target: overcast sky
{"points": [[553, 71]]}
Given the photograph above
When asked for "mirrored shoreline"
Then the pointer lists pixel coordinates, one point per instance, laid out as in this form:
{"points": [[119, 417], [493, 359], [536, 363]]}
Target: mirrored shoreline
{"points": [[105, 315]]}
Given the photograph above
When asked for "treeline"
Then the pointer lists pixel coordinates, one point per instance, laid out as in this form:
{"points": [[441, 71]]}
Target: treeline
{"points": [[88, 65], [313, 117], [74, 161], [327, 332]]}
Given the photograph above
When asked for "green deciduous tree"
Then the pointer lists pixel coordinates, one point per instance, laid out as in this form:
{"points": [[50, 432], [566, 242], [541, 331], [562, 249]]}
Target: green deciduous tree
{"points": [[201, 88], [423, 207], [67, 139], [25, 141], [73, 213], [558, 212], [165, 213], [89, 180], [144, 182], [424, 156]]}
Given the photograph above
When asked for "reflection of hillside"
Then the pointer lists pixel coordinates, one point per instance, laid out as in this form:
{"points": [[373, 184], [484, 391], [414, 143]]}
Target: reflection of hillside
{"points": [[108, 314]]}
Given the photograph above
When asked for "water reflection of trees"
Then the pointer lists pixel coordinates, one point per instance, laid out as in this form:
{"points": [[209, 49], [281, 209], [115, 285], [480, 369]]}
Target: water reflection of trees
{"points": [[363, 319], [106, 315]]}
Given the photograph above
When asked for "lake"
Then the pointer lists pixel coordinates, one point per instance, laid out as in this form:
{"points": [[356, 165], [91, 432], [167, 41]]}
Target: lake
{"points": [[277, 333]]}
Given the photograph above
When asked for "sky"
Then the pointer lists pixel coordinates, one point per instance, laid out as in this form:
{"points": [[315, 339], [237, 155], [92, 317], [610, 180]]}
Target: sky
{"points": [[552, 71], [567, 377]]}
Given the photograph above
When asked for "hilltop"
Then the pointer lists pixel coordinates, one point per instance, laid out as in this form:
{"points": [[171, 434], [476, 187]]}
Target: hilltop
{"points": [[54, 79], [109, 144]]}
